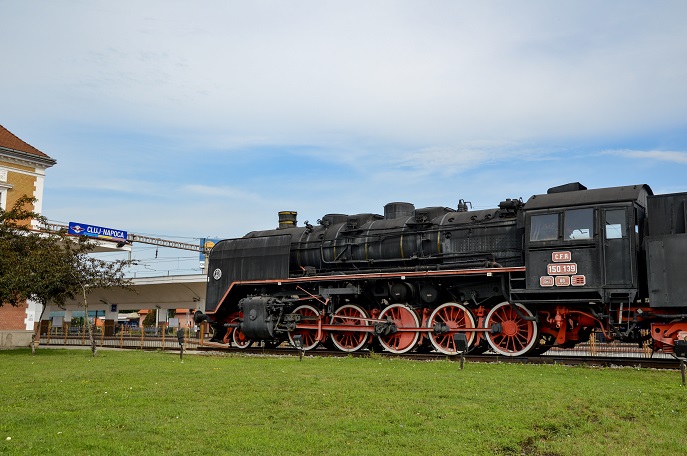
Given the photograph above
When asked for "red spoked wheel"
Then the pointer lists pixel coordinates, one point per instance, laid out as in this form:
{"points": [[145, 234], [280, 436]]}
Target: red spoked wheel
{"points": [[240, 339], [233, 318], [349, 341], [235, 335], [403, 317], [309, 338], [455, 316], [517, 336]]}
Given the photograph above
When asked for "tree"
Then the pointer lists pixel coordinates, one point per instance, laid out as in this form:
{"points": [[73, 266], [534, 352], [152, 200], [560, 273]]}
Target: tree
{"points": [[150, 319], [50, 267]]}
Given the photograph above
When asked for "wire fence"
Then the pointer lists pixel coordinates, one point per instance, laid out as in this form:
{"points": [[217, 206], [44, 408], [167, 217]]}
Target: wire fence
{"points": [[148, 337], [165, 338], [599, 347]]}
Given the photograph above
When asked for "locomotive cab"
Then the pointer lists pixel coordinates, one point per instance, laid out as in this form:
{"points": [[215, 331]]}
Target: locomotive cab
{"points": [[583, 246]]}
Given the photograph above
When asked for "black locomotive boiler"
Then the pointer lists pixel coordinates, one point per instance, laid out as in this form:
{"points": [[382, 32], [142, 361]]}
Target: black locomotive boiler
{"points": [[517, 279]]}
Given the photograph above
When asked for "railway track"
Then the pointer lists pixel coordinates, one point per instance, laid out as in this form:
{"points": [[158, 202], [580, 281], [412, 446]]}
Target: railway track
{"points": [[568, 360]]}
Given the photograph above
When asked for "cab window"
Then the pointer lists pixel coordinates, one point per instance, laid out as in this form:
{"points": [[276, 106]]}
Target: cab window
{"points": [[579, 224], [544, 227], [616, 225]]}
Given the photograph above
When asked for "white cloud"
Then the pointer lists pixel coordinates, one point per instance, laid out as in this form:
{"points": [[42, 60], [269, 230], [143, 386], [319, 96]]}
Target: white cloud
{"points": [[368, 102], [429, 74], [220, 192], [465, 157], [661, 155]]}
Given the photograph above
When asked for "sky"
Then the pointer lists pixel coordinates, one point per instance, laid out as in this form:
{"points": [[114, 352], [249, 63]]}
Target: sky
{"points": [[185, 120]]}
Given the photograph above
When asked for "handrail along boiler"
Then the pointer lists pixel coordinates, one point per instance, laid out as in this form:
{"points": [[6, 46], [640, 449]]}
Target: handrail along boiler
{"points": [[517, 279]]}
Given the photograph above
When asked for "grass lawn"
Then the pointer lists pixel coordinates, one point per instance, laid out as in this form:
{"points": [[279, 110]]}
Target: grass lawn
{"points": [[132, 402]]}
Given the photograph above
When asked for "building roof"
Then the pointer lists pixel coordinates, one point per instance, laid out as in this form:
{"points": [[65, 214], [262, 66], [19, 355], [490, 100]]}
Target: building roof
{"points": [[12, 145]]}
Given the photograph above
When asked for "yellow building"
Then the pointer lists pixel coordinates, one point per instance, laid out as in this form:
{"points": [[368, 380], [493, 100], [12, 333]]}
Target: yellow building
{"points": [[22, 172]]}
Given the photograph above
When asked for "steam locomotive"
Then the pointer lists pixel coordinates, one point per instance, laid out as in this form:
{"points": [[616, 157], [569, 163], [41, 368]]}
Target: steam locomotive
{"points": [[517, 279]]}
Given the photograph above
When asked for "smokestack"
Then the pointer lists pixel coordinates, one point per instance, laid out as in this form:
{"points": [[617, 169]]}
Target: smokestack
{"points": [[287, 219]]}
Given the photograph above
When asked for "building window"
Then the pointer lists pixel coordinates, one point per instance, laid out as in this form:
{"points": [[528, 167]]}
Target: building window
{"points": [[4, 188]]}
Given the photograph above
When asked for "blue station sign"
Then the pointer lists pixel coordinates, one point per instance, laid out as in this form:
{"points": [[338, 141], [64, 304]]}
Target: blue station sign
{"points": [[81, 229]]}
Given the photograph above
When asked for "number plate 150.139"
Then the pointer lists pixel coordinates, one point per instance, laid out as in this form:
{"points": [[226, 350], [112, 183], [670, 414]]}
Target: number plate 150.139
{"points": [[562, 268]]}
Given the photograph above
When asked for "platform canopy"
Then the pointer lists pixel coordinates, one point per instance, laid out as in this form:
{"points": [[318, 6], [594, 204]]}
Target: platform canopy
{"points": [[167, 292]]}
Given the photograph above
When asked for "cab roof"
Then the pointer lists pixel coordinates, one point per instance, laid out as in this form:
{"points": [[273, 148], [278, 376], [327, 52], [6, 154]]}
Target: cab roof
{"points": [[561, 197]]}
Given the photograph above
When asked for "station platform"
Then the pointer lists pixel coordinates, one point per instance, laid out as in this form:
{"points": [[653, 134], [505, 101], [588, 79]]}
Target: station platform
{"points": [[184, 293]]}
